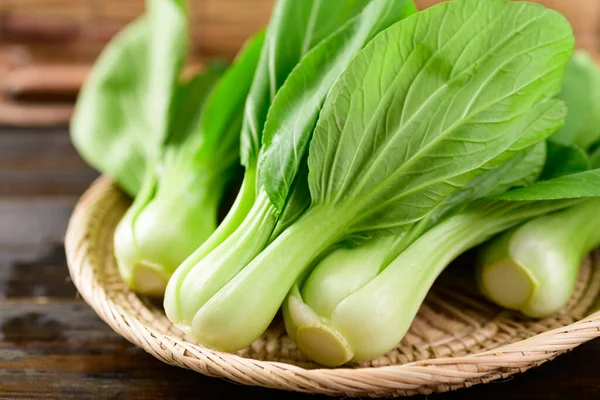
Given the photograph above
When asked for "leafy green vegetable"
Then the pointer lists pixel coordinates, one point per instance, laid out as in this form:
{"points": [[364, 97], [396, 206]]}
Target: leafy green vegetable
{"points": [[122, 114], [415, 116], [204, 273], [294, 29], [177, 210]]}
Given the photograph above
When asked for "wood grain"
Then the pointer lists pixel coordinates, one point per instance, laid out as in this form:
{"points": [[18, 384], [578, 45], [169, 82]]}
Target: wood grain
{"points": [[41, 163]]}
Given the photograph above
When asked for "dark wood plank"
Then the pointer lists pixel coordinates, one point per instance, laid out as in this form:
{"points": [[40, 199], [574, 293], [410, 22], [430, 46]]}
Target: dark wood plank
{"points": [[41, 163], [35, 274]]}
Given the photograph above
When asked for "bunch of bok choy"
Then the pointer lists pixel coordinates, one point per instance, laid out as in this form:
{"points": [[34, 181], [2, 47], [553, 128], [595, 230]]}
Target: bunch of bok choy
{"points": [[375, 143], [418, 114], [278, 157]]}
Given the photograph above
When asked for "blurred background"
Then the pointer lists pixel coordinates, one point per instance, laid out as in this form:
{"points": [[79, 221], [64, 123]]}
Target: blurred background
{"points": [[48, 46]]}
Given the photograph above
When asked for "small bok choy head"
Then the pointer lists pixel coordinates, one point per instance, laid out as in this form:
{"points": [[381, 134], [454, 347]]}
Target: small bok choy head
{"points": [[291, 118], [419, 113], [137, 122], [178, 207]]}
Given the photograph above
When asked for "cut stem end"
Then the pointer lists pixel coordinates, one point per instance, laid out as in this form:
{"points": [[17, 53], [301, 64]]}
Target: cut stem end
{"points": [[508, 284], [147, 279], [324, 345]]}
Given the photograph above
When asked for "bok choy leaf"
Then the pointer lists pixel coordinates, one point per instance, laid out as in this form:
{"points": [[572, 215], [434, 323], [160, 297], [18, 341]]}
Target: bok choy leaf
{"points": [[177, 210]]}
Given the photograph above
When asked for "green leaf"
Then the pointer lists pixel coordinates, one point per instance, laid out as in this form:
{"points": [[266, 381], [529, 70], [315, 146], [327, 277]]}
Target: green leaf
{"points": [[187, 104], [595, 158], [122, 114], [414, 116], [221, 122], [295, 28], [297, 203], [293, 115], [168, 41], [110, 128], [581, 92], [575, 186], [564, 160]]}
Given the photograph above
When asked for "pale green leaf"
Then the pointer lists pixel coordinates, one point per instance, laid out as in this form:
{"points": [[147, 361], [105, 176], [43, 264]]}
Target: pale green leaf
{"points": [[575, 186], [581, 92], [110, 127]]}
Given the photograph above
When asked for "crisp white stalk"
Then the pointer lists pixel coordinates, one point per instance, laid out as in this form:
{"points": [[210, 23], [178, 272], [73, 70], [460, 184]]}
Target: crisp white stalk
{"points": [[200, 281], [244, 307]]}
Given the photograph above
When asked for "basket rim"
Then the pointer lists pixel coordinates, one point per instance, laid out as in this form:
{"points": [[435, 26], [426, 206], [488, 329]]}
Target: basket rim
{"points": [[423, 376]]}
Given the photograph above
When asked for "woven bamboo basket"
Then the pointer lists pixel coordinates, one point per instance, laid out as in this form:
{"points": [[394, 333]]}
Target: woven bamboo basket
{"points": [[457, 340]]}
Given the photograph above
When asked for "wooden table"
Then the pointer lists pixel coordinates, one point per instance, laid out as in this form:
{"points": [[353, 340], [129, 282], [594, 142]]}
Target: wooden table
{"points": [[53, 346]]}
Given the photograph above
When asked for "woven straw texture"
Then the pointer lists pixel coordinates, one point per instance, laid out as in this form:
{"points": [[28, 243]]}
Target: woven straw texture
{"points": [[456, 341]]}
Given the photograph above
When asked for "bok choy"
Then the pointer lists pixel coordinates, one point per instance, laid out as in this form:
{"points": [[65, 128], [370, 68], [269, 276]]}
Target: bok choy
{"points": [[419, 113], [291, 119], [318, 304], [137, 122], [294, 29], [178, 207]]}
